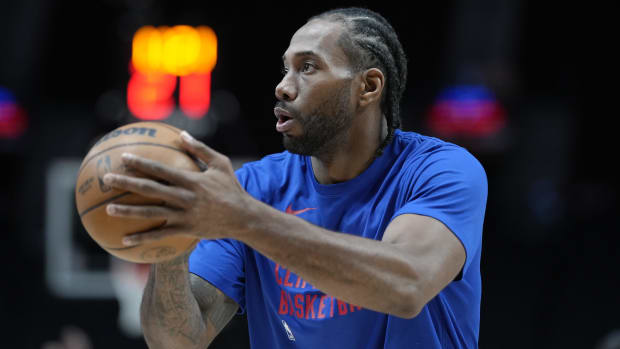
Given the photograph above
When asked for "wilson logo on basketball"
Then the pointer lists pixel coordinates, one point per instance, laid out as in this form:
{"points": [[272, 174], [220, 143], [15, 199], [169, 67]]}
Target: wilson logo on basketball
{"points": [[142, 131]]}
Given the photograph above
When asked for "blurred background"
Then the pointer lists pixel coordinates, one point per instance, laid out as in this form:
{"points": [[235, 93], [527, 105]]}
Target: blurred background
{"points": [[506, 79]]}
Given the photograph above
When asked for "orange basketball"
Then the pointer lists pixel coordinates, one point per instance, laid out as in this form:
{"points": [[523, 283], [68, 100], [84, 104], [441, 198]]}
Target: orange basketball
{"points": [[153, 140]]}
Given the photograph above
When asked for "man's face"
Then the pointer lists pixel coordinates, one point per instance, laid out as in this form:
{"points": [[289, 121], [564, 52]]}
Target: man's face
{"points": [[314, 107]]}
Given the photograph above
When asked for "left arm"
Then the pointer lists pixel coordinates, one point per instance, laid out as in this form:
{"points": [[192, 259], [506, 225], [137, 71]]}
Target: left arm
{"points": [[417, 257]]}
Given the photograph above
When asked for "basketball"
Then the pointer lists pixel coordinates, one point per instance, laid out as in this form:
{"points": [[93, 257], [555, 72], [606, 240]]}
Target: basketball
{"points": [[153, 140]]}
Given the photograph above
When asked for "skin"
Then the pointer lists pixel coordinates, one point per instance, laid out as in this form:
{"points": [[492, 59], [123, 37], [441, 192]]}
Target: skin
{"points": [[417, 257]]}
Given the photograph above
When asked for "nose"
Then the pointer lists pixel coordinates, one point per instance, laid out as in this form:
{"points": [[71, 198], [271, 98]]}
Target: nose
{"points": [[286, 89]]}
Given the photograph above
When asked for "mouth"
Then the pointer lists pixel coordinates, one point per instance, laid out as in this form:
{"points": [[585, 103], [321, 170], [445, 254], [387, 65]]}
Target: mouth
{"points": [[285, 121], [281, 113]]}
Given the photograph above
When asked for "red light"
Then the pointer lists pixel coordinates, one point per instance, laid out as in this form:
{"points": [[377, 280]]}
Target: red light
{"points": [[468, 111], [149, 97], [195, 94], [478, 118], [13, 120]]}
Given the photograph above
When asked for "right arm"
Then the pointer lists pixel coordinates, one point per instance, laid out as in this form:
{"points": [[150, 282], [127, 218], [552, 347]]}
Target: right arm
{"points": [[180, 309]]}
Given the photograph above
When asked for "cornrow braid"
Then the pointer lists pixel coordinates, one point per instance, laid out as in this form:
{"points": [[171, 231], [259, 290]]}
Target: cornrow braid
{"points": [[369, 41]]}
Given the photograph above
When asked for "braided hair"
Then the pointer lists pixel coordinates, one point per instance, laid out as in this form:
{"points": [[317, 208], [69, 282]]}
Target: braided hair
{"points": [[369, 41]]}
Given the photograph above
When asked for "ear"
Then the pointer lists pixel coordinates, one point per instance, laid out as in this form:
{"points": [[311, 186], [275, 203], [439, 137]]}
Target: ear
{"points": [[371, 87]]}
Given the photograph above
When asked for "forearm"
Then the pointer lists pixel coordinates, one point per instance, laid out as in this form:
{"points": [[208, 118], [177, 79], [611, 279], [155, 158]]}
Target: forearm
{"points": [[369, 273], [170, 314]]}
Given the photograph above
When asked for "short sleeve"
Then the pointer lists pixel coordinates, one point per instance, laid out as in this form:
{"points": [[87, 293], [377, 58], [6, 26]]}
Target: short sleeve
{"points": [[449, 185], [221, 263]]}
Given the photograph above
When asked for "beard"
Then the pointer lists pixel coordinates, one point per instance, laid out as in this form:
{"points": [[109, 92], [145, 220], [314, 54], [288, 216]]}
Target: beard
{"points": [[324, 128]]}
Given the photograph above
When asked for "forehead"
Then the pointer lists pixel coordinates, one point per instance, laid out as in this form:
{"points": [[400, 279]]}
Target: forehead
{"points": [[319, 37]]}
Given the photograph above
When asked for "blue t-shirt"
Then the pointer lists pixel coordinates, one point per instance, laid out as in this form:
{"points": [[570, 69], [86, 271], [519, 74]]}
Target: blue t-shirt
{"points": [[415, 174]]}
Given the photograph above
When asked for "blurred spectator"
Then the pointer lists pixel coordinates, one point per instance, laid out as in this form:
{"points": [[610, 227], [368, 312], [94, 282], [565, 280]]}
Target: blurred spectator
{"points": [[71, 337], [610, 341]]}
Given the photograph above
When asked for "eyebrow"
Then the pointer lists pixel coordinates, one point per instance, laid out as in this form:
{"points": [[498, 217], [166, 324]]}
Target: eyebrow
{"points": [[303, 54]]}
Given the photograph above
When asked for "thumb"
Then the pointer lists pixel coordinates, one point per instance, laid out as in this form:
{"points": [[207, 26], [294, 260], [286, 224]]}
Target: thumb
{"points": [[199, 149]]}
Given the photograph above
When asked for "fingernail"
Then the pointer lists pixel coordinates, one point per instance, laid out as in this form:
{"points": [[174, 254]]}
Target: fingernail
{"points": [[108, 178], [186, 136], [127, 241]]}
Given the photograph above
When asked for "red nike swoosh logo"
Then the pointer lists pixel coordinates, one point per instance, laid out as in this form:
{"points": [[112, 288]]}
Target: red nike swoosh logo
{"points": [[290, 210]]}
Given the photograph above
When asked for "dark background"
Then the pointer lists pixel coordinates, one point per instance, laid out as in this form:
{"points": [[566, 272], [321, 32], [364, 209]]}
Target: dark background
{"points": [[549, 264]]}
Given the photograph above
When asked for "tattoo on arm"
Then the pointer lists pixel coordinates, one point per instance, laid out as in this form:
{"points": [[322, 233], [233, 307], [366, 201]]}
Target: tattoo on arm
{"points": [[216, 307], [170, 313], [180, 309]]}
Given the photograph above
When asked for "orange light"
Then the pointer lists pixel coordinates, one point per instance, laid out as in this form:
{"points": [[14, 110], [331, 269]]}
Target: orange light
{"points": [[179, 50], [146, 50], [161, 54], [208, 50]]}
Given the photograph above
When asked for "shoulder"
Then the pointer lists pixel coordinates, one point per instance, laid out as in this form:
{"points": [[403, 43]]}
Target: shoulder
{"points": [[428, 159], [416, 144], [424, 151]]}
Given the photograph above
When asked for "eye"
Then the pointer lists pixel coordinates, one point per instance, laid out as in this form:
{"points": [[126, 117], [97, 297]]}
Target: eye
{"points": [[307, 67]]}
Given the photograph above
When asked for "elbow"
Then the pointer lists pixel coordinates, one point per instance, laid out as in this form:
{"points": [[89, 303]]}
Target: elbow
{"points": [[409, 302], [409, 309], [150, 332]]}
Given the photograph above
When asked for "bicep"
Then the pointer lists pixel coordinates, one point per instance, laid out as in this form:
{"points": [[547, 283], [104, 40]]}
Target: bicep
{"points": [[216, 307], [434, 251]]}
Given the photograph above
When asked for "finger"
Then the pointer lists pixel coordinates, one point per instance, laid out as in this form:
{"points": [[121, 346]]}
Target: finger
{"points": [[156, 169], [200, 150], [147, 187], [151, 235], [142, 212]]}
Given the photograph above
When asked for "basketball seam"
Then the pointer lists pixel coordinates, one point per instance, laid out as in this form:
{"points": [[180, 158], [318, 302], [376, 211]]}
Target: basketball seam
{"points": [[124, 248], [83, 213], [117, 249], [124, 145]]}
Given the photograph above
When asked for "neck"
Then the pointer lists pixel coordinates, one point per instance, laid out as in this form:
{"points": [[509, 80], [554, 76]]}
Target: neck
{"points": [[352, 157]]}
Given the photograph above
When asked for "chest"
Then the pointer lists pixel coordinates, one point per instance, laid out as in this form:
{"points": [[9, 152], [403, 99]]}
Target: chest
{"points": [[362, 213]]}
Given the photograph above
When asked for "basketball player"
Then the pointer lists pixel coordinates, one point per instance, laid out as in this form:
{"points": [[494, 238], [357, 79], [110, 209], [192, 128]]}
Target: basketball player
{"points": [[359, 235]]}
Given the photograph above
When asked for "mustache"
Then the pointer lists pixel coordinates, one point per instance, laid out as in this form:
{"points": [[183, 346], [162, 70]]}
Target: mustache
{"points": [[288, 108]]}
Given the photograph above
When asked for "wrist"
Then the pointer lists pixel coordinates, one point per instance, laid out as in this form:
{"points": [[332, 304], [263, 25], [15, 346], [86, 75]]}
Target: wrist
{"points": [[179, 262], [250, 219]]}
